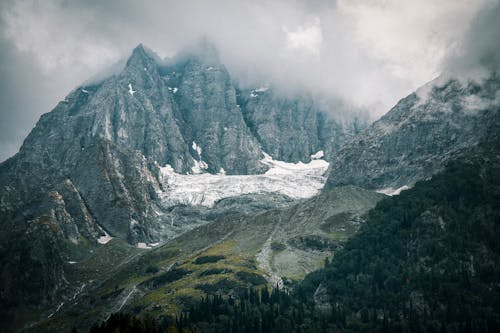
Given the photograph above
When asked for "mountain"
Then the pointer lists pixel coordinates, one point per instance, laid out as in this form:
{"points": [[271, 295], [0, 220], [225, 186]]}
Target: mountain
{"points": [[416, 137], [227, 256], [110, 159], [167, 181], [426, 259], [423, 261], [309, 123]]}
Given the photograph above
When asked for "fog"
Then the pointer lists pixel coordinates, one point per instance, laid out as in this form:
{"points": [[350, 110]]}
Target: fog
{"points": [[367, 53]]}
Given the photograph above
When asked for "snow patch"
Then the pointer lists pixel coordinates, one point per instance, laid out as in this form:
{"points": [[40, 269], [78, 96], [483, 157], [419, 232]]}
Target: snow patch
{"points": [[320, 154], [146, 246], [199, 167], [285, 168], [391, 191], [196, 148], [57, 310], [131, 90], [104, 239], [295, 180]]}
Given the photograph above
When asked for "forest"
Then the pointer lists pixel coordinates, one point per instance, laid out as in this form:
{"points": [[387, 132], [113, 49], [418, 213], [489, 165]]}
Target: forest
{"points": [[425, 261]]}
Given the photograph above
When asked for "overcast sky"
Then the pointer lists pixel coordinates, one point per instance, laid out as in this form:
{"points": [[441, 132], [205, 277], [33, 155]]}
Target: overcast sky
{"points": [[368, 52]]}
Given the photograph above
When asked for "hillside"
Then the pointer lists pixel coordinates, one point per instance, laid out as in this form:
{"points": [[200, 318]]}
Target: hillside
{"points": [[226, 256]]}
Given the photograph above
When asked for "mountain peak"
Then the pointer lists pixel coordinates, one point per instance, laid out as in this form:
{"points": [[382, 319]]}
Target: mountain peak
{"points": [[142, 57]]}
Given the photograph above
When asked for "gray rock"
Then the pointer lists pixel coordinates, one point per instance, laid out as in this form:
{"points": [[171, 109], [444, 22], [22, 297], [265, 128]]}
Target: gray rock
{"points": [[91, 165], [293, 128], [416, 138]]}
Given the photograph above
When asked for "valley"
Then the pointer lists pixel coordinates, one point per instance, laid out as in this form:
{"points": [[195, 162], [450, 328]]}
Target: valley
{"points": [[167, 184]]}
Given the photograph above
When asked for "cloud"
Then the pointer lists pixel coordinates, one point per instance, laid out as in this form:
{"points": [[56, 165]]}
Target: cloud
{"points": [[306, 38], [368, 53], [480, 46]]}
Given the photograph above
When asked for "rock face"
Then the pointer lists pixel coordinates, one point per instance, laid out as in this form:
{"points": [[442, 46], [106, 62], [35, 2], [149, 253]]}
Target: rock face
{"points": [[294, 129], [416, 138], [108, 139], [91, 166]]}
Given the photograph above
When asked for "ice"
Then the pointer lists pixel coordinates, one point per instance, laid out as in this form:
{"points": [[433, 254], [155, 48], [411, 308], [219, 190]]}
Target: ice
{"points": [[255, 93], [391, 191], [146, 246], [280, 167], [199, 167], [261, 89], [104, 239], [131, 91], [196, 148], [295, 180], [318, 155]]}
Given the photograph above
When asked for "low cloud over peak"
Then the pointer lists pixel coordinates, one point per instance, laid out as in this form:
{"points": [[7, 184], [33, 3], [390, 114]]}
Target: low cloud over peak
{"points": [[368, 53]]}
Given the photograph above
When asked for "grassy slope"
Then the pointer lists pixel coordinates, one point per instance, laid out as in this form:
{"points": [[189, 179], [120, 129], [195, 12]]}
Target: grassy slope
{"points": [[288, 243]]}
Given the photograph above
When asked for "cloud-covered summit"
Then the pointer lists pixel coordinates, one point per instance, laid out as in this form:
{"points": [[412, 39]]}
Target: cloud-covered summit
{"points": [[368, 53], [480, 46]]}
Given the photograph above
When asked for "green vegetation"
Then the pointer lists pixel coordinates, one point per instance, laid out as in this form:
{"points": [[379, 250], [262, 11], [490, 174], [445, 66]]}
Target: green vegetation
{"points": [[425, 261], [164, 278], [208, 259]]}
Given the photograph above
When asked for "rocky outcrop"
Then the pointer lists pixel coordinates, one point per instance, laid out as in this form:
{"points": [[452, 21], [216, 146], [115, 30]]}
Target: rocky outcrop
{"points": [[109, 138], [293, 129], [91, 167], [416, 138]]}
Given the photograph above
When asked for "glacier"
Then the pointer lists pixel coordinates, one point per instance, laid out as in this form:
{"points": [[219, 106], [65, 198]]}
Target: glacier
{"points": [[295, 180]]}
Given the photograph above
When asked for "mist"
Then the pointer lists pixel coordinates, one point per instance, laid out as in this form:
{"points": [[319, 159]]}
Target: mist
{"points": [[366, 53]]}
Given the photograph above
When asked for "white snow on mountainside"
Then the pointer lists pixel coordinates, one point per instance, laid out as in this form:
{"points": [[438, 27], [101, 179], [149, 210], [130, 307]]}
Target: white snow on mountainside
{"points": [[295, 180]]}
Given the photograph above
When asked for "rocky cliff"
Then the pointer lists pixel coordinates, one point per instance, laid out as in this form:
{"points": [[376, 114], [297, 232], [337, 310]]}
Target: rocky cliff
{"points": [[416, 137], [90, 169]]}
